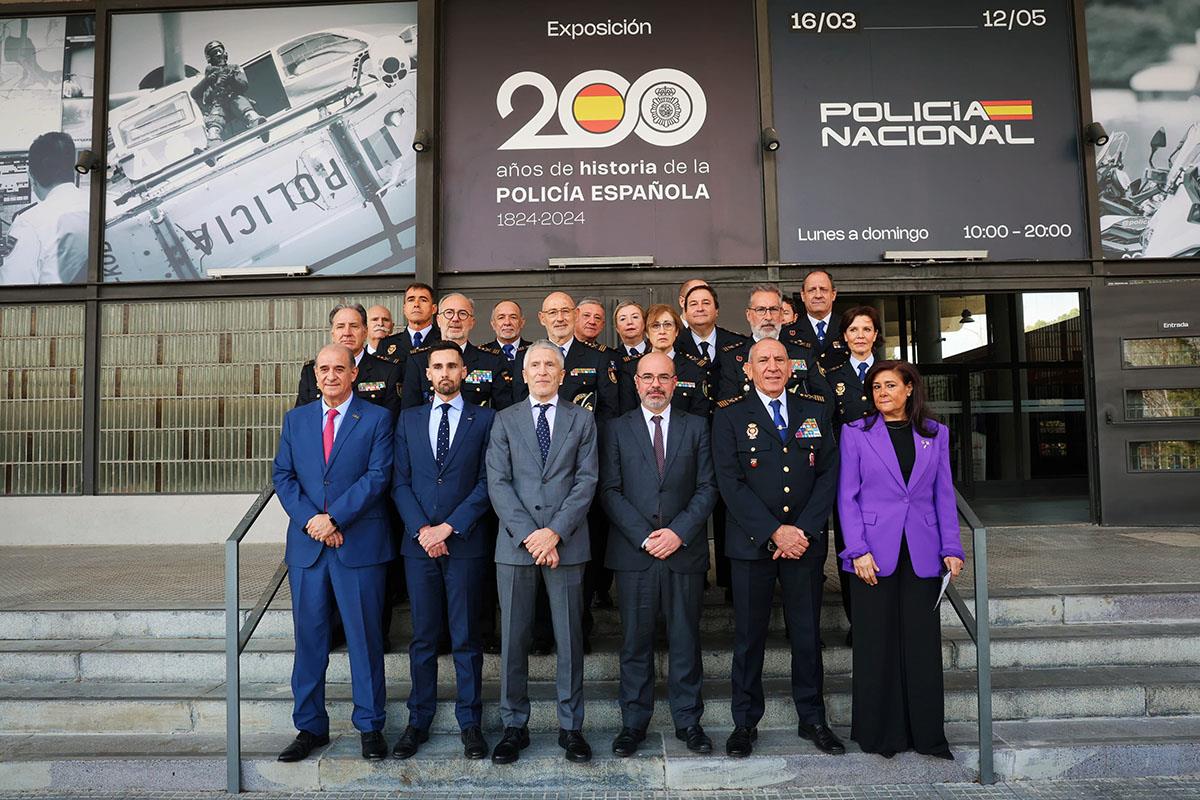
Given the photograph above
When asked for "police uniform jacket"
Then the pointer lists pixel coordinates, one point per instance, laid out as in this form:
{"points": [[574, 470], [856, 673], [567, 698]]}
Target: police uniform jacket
{"points": [[851, 400], [684, 343], [802, 331], [691, 387], [395, 348], [496, 345], [767, 482], [734, 382], [488, 382], [590, 379], [378, 382]]}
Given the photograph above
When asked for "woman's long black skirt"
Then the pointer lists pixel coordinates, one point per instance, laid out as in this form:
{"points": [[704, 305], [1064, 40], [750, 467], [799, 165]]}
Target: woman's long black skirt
{"points": [[898, 699]]}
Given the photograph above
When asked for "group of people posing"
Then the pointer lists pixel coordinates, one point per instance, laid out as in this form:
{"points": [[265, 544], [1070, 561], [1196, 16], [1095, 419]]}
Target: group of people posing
{"points": [[536, 475]]}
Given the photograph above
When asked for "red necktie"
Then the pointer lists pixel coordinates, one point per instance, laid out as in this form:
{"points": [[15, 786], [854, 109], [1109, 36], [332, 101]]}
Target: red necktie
{"points": [[327, 434]]}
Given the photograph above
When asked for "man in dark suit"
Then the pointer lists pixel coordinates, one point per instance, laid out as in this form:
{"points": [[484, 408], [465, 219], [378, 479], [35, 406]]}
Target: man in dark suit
{"points": [[488, 381], [658, 487], [542, 472], [816, 326], [420, 325], [507, 322], [439, 485], [331, 474], [776, 467], [378, 381]]}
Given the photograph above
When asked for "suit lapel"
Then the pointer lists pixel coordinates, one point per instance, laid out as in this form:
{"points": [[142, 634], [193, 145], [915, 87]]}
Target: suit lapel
{"points": [[344, 431], [881, 443], [674, 434], [529, 430], [465, 419], [564, 421], [641, 435], [421, 421], [924, 448]]}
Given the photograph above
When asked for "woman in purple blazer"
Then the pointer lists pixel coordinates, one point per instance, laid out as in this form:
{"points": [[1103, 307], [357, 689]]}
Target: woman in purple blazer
{"points": [[896, 502]]}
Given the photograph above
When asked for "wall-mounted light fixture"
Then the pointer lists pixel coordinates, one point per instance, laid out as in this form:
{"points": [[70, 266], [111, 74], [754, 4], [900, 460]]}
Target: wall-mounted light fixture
{"points": [[1094, 134], [422, 141], [770, 140], [86, 162]]}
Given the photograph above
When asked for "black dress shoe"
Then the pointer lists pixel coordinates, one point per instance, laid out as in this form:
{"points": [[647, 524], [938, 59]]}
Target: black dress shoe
{"points": [[825, 739], [374, 746], [697, 740], [542, 647], [509, 748], [409, 742], [578, 750], [627, 741], [741, 742], [474, 745], [302, 746]]}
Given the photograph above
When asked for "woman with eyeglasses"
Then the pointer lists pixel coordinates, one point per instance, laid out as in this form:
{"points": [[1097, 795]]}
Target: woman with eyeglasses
{"points": [[691, 390]]}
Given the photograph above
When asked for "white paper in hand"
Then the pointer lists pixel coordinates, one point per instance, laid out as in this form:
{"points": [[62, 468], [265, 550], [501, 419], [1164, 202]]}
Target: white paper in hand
{"points": [[942, 593]]}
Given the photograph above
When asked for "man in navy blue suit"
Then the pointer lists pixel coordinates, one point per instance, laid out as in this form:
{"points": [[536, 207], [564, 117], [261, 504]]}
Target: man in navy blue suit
{"points": [[331, 474], [439, 485]]}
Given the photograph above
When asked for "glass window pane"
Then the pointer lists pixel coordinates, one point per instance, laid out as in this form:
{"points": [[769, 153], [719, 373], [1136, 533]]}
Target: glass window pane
{"points": [[1053, 326], [41, 399], [1164, 456], [46, 69], [198, 410], [1169, 351], [1162, 403]]}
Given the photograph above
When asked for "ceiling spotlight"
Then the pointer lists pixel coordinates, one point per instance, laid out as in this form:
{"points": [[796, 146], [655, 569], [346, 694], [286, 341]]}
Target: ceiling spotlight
{"points": [[87, 162]]}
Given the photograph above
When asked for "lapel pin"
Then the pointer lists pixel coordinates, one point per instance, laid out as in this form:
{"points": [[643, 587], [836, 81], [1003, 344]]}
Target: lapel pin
{"points": [[355, 416], [753, 463], [812, 459], [924, 443]]}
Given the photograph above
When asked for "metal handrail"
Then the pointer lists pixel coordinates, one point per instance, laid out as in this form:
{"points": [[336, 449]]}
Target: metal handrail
{"points": [[238, 635], [979, 630]]}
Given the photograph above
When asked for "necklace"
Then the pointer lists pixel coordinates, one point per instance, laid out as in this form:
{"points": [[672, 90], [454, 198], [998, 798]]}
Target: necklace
{"points": [[896, 425]]}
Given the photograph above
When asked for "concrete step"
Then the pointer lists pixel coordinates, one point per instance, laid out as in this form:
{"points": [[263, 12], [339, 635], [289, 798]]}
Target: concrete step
{"points": [[269, 659], [1014, 607], [199, 707], [1093, 749]]}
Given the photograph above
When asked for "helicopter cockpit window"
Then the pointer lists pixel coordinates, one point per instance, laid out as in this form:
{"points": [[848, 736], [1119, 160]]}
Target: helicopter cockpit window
{"points": [[316, 51]]}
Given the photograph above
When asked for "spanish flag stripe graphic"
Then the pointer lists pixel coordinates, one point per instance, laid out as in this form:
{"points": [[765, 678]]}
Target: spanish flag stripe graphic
{"points": [[598, 108], [1008, 109]]}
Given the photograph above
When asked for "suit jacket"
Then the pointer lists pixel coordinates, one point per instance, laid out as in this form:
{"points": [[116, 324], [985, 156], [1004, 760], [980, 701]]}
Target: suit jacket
{"points": [[494, 344], [876, 506], [395, 348], [806, 378], [456, 493], [590, 380], [691, 389], [684, 343], [802, 332], [528, 496], [378, 381], [638, 501], [351, 487], [488, 382], [851, 400], [766, 482]]}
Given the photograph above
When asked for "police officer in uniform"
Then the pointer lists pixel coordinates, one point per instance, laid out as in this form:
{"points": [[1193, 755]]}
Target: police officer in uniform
{"points": [[488, 381], [776, 466], [378, 381], [844, 368], [420, 325], [703, 337], [815, 325], [764, 313], [221, 95], [507, 321], [691, 386]]}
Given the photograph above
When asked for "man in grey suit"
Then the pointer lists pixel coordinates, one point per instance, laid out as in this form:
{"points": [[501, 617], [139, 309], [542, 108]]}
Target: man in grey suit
{"points": [[658, 487], [542, 473]]}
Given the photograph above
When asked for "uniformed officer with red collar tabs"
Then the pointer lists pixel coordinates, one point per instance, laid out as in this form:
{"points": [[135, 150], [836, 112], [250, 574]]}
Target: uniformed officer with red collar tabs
{"points": [[776, 466], [378, 381]]}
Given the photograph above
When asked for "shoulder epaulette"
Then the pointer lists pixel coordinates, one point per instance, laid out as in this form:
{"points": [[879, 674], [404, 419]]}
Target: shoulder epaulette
{"points": [[728, 401], [592, 345], [489, 349], [816, 398], [425, 348], [312, 362], [831, 360], [700, 361], [23, 210], [627, 358], [733, 346]]}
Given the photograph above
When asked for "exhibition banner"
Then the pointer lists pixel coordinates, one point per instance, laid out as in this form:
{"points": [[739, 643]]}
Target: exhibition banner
{"points": [[941, 125], [579, 129], [257, 139]]}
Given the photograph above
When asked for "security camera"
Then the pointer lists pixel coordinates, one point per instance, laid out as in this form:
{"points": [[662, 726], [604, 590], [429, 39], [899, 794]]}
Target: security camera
{"points": [[87, 162], [770, 140], [1095, 134], [422, 141]]}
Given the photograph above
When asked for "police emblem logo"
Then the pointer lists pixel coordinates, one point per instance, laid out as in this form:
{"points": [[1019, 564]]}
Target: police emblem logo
{"points": [[840, 389], [752, 431], [666, 106], [391, 349], [585, 400], [612, 374]]}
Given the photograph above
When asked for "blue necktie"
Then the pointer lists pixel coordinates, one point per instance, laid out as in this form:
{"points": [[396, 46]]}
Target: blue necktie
{"points": [[563, 350], [543, 432], [443, 435], [821, 331], [780, 425], [862, 372], [417, 339], [509, 352], [704, 349]]}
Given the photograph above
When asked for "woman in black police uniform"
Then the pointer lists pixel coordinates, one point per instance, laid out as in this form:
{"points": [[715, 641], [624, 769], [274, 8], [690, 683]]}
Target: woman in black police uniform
{"points": [[691, 389], [844, 369]]}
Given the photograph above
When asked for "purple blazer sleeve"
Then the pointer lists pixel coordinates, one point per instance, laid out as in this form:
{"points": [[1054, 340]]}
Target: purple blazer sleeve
{"points": [[943, 499], [850, 484]]}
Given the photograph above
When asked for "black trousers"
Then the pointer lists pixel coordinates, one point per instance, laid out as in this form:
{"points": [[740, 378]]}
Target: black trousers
{"points": [[898, 700], [753, 593]]}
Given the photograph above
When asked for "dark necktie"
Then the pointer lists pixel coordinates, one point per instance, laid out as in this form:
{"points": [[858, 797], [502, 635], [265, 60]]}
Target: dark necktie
{"points": [[443, 435], [862, 372], [660, 451], [543, 432], [633, 351], [509, 352], [563, 350], [417, 339], [821, 331], [780, 425], [704, 349]]}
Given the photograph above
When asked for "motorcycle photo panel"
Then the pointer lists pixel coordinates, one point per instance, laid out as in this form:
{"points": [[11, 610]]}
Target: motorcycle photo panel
{"points": [[1144, 62], [244, 139]]}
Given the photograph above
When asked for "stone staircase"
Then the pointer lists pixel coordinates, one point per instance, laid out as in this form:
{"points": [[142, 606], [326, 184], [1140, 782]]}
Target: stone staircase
{"points": [[1096, 682]]}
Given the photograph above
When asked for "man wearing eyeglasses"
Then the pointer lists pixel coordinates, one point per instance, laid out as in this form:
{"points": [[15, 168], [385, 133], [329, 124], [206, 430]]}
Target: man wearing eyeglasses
{"points": [[764, 313], [488, 380]]}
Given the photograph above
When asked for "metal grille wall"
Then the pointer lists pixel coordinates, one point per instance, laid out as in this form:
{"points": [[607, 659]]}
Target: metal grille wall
{"points": [[41, 399], [198, 409]]}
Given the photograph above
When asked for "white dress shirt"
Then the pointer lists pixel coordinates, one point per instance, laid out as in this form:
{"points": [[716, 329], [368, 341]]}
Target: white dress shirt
{"points": [[666, 423], [337, 421], [711, 339], [424, 334], [828, 320], [435, 419], [551, 412], [766, 401], [854, 362]]}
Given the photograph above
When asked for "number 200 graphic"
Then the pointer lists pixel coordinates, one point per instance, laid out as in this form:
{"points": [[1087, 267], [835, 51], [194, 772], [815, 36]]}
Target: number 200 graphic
{"points": [[599, 108]]}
